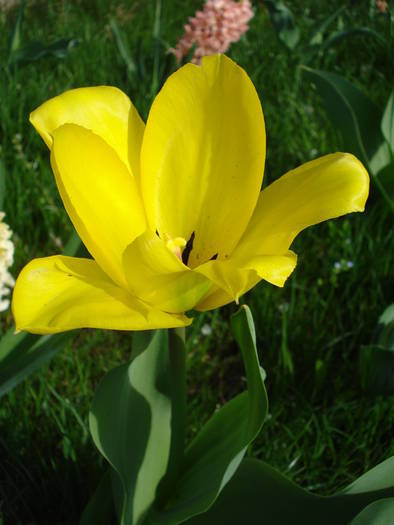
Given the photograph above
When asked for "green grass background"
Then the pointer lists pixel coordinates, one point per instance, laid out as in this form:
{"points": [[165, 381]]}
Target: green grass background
{"points": [[323, 430]]}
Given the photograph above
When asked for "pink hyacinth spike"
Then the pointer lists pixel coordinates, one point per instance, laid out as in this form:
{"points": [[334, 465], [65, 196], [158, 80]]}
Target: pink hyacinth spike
{"points": [[214, 29]]}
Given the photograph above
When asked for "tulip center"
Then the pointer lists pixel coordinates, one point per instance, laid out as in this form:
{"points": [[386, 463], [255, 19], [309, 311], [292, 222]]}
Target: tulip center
{"points": [[176, 246], [180, 247]]}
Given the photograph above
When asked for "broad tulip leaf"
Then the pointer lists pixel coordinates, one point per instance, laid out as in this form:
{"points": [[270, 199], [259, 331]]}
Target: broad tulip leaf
{"points": [[377, 359], [386, 180], [131, 421], [388, 121], [259, 494], [215, 454], [355, 115], [100, 509], [379, 512]]}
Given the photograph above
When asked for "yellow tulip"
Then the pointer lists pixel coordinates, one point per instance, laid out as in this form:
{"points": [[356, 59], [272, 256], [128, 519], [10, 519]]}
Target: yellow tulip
{"points": [[171, 212]]}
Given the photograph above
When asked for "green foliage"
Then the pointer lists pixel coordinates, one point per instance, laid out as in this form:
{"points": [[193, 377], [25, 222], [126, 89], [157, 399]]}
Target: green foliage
{"points": [[130, 422], [284, 23], [377, 359], [36, 50], [359, 122], [388, 122], [320, 435], [261, 493], [213, 456], [22, 354], [379, 512]]}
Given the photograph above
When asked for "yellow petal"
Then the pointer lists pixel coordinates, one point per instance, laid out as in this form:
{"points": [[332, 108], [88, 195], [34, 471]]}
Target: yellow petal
{"points": [[59, 293], [99, 194], [202, 157], [105, 110], [216, 299], [156, 275], [235, 277], [322, 189]]}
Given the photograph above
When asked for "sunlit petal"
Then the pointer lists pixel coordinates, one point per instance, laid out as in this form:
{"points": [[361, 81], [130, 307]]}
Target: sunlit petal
{"points": [[61, 293], [105, 110], [236, 277], [99, 194], [322, 189], [202, 157], [157, 276]]}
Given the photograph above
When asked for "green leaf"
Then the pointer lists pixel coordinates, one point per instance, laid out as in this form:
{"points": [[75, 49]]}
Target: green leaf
{"points": [[21, 354], [379, 512], [354, 114], [100, 509], [337, 36], [131, 420], [215, 454], [283, 21], [317, 35], [377, 360], [123, 48], [259, 494], [2, 184], [36, 50], [16, 36], [385, 178], [388, 121]]}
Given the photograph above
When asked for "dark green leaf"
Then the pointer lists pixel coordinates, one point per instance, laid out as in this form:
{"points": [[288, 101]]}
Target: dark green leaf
{"points": [[2, 184], [337, 36], [283, 22], [23, 353], [385, 178], [388, 121], [16, 36], [317, 35], [377, 359], [379, 512], [355, 115], [100, 509], [214, 455], [73, 245], [123, 49], [36, 50], [258, 494], [131, 421]]}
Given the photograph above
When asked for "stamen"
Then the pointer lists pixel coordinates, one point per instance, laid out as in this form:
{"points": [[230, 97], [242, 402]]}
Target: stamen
{"points": [[188, 249], [175, 246]]}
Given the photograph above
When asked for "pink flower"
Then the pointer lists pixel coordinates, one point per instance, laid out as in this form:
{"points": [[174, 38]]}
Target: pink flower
{"points": [[381, 5], [219, 24]]}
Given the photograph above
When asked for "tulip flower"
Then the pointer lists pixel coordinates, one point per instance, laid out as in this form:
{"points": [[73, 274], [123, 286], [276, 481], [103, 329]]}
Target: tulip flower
{"points": [[171, 211]]}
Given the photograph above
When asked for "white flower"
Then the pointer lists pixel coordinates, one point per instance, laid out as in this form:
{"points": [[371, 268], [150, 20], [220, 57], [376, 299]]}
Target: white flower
{"points": [[6, 260], [206, 329]]}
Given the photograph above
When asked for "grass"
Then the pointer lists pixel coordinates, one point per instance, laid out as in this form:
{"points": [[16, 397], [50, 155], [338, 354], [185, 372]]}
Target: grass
{"points": [[323, 430]]}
